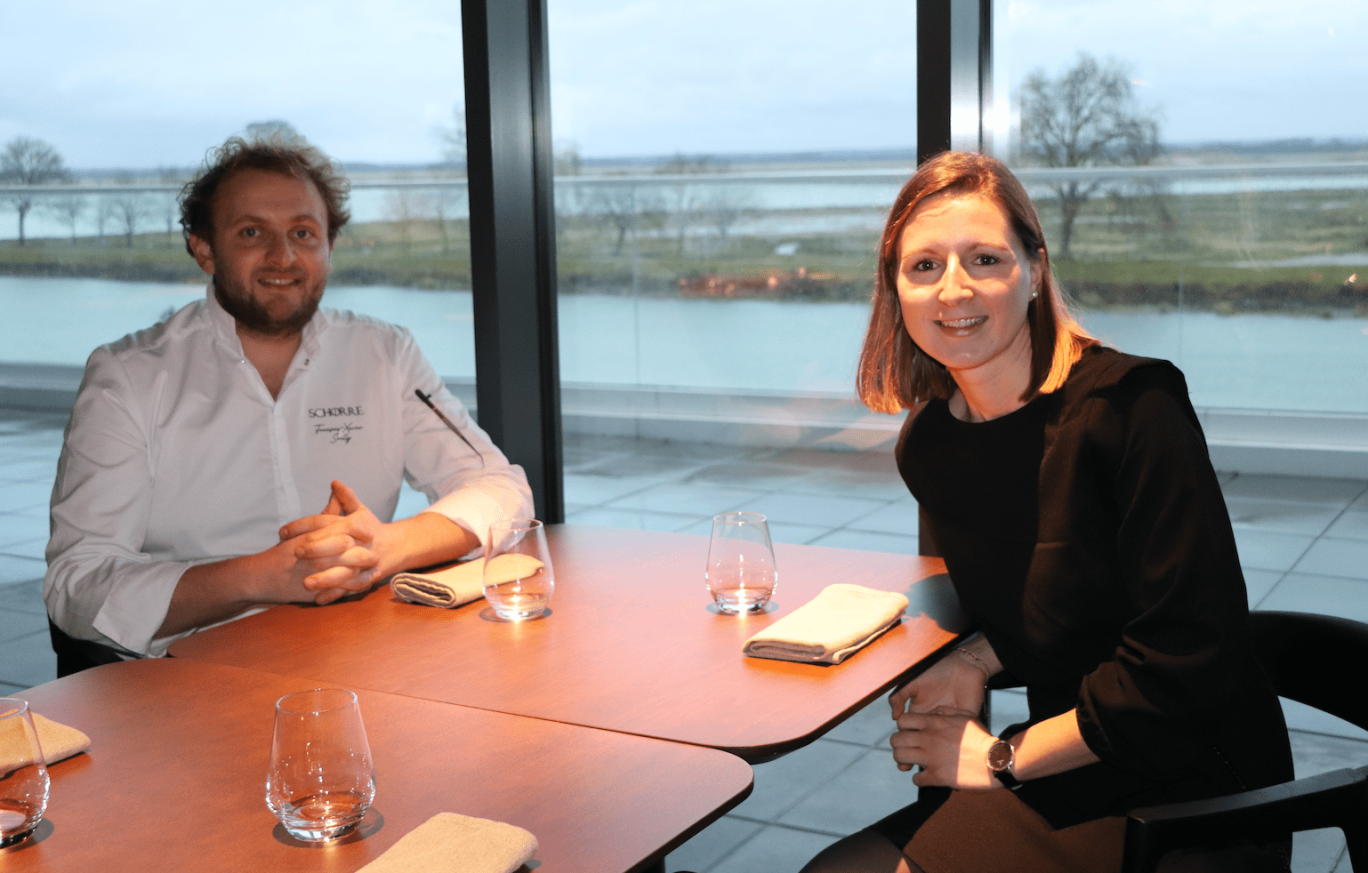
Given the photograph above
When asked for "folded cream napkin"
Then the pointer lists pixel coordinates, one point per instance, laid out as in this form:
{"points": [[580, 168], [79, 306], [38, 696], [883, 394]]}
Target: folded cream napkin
{"points": [[459, 584], [834, 625], [58, 742], [451, 843], [453, 586]]}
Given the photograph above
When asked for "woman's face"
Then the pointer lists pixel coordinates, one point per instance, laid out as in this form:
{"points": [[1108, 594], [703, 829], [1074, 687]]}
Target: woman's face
{"points": [[964, 284]]}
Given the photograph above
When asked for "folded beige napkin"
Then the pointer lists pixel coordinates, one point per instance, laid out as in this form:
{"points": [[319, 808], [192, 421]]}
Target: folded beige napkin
{"points": [[451, 843], [836, 624], [58, 742], [461, 583], [453, 586]]}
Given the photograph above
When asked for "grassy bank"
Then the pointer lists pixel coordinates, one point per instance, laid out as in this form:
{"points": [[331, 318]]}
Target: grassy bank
{"points": [[1305, 252]]}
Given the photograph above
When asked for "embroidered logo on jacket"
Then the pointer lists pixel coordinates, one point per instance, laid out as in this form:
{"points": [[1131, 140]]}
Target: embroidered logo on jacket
{"points": [[335, 431]]}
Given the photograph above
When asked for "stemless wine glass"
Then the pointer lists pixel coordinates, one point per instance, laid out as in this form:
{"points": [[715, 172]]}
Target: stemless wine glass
{"points": [[518, 579], [23, 773], [741, 575], [321, 780]]}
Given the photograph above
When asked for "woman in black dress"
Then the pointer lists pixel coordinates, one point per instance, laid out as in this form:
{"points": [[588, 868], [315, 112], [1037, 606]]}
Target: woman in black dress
{"points": [[1068, 487]]}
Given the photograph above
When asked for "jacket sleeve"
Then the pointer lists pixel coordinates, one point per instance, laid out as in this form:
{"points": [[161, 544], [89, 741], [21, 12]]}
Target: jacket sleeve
{"points": [[1182, 659], [467, 477], [100, 584]]}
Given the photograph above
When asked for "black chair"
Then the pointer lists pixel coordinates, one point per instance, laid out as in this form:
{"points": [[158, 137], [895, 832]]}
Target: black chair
{"points": [[75, 655], [1310, 659]]}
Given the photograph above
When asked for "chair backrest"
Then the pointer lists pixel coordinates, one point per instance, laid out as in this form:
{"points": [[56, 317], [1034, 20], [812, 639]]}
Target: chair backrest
{"points": [[1313, 658]]}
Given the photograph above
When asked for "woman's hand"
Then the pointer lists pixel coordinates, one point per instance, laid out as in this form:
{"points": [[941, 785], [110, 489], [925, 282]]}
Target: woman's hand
{"points": [[950, 748], [953, 685]]}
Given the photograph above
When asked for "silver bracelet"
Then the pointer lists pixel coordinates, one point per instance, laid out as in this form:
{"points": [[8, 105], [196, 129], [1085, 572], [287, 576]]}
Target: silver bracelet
{"points": [[978, 662]]}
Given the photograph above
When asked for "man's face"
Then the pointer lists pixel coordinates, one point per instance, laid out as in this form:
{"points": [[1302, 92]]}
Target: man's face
{"points": [[269, 255]]}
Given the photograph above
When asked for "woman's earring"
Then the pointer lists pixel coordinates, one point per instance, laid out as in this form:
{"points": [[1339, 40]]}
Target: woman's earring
{"points": [[1035, 294]]}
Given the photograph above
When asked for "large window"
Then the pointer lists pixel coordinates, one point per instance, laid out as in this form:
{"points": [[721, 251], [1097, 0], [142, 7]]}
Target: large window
{"points": [[723, 171], [130, 96], [1213, 208]]}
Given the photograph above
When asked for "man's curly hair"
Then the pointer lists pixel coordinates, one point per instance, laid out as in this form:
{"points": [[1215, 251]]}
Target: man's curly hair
{"points": [[290, 156]]}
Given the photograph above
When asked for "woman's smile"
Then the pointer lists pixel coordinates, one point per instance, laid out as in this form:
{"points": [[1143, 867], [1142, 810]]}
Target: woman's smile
{"points": [[962, 324]]}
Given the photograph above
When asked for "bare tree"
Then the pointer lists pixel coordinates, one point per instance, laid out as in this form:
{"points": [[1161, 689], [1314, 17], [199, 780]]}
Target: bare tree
{"points": [[453, 139], [684, 202], [445, 204], [169, 204], [403, 206], [104, 213], [621, 206], [274, 129], [1087, 117], [69, 208], [29, 161], [723, 208], [128, 209], [567, 158]]}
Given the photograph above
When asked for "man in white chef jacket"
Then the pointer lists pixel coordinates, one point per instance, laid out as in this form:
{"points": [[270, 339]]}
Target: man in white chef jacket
{"points": [[249, 450]]}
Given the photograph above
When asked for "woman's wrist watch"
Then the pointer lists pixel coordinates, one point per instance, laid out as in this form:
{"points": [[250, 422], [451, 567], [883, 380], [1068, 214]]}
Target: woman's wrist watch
{"points": [[1001, 757]]}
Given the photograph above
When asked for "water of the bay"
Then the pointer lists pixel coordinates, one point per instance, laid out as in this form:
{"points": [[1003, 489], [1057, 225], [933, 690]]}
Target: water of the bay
{"points": [[1246, 361]]}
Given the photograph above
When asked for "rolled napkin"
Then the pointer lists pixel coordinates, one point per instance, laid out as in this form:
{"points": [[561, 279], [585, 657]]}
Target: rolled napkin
{"points": [[834, 625], [451, 843], [58, 742], [459, 584]]}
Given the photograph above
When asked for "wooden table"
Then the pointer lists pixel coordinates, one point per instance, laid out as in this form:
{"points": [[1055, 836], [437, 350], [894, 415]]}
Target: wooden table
{"points": [[632, 643], [175, 779]]}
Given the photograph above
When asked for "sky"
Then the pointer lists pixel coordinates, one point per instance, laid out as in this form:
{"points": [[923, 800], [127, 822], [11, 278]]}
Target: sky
{"points": [[143, 84]]}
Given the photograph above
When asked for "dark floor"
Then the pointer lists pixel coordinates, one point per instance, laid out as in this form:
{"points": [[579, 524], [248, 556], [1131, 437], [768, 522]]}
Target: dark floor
{"points": [[1303, 543]]}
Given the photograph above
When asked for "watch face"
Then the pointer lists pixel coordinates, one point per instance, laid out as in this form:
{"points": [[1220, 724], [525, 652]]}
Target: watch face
{"points": [[1000, 755]]}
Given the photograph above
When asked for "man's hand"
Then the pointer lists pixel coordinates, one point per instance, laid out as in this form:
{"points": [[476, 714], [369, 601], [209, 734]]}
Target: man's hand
{"points": [[345, 544], [951, 749], [342, 550]]}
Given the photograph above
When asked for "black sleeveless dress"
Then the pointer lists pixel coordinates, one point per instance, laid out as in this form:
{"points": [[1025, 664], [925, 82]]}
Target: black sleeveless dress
{"points": [[1087, 537]]}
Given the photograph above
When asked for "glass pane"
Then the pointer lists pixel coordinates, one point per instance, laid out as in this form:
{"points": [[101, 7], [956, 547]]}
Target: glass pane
{"points": [[723, 173], [1217, 216], [129, 97]]}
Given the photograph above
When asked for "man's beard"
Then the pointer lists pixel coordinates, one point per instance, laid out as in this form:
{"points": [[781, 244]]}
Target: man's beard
{"points": [[254, 317]]}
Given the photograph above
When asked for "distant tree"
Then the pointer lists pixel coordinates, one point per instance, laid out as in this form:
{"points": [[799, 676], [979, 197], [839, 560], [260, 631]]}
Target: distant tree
{"points": [[723, 208], [128, 208], [622, 207], [403, 206], [275, 128], [1087, 117], [684, 200], [29, 161], [453, 139], [169, 202], [69, 208], [104, 213], [567, 158], [445, 205]]}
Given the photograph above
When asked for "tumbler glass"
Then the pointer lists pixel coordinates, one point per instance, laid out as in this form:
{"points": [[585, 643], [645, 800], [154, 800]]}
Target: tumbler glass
{"points": [[321, 779], [23, 773], [741, 575], [518, 578]]}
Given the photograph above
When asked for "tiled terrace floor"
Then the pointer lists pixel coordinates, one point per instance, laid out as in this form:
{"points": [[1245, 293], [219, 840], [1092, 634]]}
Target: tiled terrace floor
{"points": [[1303, 543]]}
